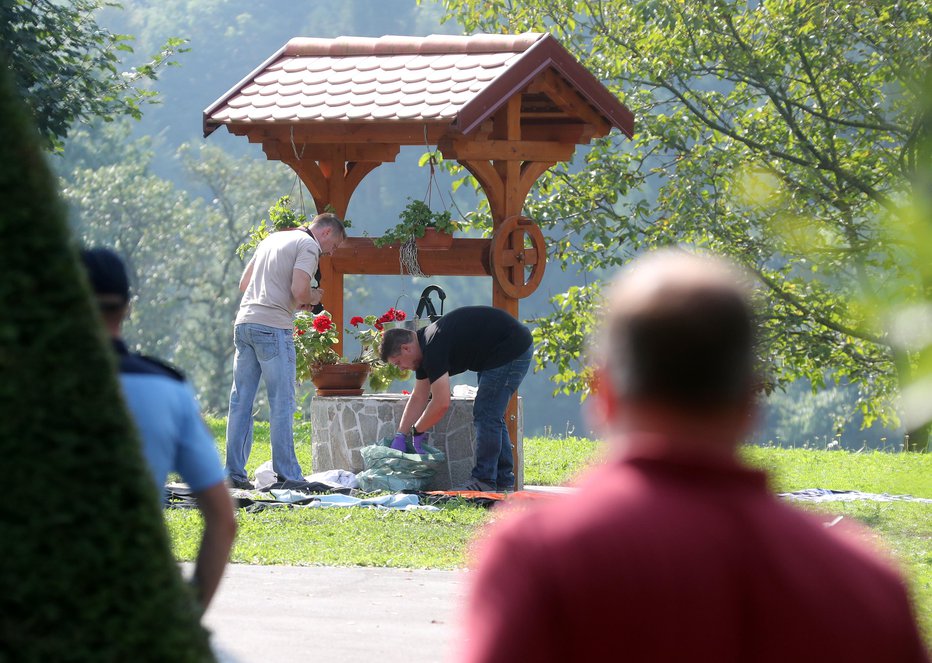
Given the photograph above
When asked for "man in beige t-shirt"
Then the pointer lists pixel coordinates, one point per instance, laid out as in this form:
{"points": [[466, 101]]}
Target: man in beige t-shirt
{"points": [[275, 283]]}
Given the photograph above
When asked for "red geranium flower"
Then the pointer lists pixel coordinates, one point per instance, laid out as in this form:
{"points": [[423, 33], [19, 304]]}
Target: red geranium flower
{"points": [[378, 324], [356, 321], [300, 332], [400, 315], [322, 323]]}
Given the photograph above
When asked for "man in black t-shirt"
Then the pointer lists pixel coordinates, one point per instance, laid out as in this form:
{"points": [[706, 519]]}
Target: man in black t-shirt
{"points": [[474, 338]]}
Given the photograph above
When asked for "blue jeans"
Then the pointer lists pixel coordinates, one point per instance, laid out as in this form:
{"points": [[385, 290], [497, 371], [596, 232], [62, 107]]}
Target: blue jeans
{"points": [[494, 460], [266, 352]]}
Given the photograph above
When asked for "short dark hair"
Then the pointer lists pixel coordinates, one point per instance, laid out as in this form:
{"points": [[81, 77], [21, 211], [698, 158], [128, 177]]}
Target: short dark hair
{"points": [[392, 340], [689, 344], [329, 220]]}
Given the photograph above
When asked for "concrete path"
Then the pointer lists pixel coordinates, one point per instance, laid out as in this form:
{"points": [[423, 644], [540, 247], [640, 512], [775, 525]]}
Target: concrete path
{"points": [[268, 613]]}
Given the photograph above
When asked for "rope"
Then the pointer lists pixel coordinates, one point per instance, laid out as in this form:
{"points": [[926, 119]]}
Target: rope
{"points": [[298, 157], [407, 259], [432, 181], [432, 178]]}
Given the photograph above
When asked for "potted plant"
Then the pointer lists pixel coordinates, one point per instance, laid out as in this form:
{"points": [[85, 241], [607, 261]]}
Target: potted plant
{"points": [[315, 337], [317, 361], [368, 331], [428, 229], [281, 217]]}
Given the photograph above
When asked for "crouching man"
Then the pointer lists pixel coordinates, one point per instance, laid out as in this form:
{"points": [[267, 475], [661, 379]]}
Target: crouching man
{"points": [[483, 339]]}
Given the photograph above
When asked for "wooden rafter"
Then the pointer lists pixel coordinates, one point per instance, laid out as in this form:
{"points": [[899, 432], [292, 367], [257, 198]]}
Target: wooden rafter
{"points": [[569, 101], [505, 150]]}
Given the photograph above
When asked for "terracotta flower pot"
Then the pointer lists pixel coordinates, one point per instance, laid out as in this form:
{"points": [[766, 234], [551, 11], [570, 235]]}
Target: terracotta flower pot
{"points": [[434, 240], [339, 379]]}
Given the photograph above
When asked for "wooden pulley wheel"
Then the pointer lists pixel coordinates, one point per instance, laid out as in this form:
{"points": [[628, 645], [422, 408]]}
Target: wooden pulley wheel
{"points": [[516, 268]]}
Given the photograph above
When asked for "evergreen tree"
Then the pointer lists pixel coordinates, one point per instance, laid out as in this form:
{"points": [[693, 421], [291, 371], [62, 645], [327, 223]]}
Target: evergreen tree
{"points": [[87, 572]]}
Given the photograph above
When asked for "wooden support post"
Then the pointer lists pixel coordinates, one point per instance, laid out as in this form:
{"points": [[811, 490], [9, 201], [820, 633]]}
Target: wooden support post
{"points": [[507, 126]]}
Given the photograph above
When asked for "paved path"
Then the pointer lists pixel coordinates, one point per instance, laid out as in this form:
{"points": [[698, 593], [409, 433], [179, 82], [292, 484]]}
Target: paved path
{"points": [[291, 613]]}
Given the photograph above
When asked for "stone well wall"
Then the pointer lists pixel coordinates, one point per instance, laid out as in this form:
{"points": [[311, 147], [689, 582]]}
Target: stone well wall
{"points": [[342, 425]]}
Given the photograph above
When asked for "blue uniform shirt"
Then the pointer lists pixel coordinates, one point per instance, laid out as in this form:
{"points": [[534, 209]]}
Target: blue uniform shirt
{"points": [[174, 437]]}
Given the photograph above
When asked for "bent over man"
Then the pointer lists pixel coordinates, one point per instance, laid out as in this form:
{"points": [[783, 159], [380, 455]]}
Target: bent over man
{"points": [[483, 339]]}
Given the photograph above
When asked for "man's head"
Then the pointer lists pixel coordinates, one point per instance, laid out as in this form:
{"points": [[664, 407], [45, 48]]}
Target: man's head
{"points": [[329, 232], [107, 275], [677, 339], [400, 348]]}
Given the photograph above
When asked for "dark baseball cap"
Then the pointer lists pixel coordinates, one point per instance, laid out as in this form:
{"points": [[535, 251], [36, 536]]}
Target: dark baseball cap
{"points": [[107, 274]]}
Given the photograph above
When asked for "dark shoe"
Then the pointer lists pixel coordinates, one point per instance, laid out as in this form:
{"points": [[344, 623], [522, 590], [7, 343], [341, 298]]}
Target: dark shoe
{"points": [[476, 485], [240, 484]]}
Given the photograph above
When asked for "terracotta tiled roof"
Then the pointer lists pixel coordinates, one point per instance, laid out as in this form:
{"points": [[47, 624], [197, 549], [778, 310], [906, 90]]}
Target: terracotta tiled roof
{"points": [[437, 79]]}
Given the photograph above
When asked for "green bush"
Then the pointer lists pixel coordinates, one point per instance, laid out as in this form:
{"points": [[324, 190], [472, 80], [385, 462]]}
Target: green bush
{"points": [[87, 571]]}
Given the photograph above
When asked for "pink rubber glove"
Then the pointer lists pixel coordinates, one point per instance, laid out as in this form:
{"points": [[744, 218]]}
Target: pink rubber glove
{"points": [[398, 444]]}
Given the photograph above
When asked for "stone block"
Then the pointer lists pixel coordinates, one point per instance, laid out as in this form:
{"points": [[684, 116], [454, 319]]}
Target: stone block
{"points": [[341, 425]]}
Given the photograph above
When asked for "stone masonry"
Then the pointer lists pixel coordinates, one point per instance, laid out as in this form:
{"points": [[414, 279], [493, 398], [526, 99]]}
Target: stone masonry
{"points": [[342, 425]]}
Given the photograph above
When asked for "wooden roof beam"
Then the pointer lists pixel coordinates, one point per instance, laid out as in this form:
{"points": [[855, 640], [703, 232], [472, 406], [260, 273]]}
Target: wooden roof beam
{"points": [[505, 150], [359, 255], [569, 101], [379, 152], [398, 133]]}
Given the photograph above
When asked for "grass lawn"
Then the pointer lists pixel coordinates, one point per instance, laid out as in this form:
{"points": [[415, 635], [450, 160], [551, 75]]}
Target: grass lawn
{"points": [[440, 540]]}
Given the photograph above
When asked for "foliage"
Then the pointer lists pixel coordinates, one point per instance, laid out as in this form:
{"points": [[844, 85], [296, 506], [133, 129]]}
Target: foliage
{"points": [[822, 419], [416, 217], [315, 337], [68, 67], [180, 251], [556, 461], [369, 337], [127, 208], [83, 580], [235, 187], [748, 113], [382, 374], [568, 327], [281, 217]]}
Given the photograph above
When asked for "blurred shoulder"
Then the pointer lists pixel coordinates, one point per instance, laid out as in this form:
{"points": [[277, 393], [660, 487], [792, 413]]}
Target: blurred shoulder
{"points": [[137, 364]]}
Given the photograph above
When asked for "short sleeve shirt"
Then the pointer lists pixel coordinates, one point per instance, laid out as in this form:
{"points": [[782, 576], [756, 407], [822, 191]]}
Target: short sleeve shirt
{"points": [[471, 338], [167, 416], [267, 299]]}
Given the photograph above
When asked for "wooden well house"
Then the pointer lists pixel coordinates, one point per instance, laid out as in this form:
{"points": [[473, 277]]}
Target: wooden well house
{"points": [[506, 107]]}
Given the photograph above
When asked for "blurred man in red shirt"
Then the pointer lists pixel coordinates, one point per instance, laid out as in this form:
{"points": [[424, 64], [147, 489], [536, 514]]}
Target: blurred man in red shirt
{"points": [[673, 551]]}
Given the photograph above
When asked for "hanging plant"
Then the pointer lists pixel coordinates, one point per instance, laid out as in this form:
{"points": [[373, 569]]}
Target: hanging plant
{"points": [[281, 217], [415, 219]]}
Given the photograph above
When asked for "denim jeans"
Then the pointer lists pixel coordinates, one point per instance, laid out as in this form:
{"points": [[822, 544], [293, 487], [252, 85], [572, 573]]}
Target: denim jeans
{"points": [[266, 352], [494, 460]]}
